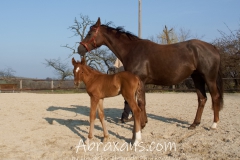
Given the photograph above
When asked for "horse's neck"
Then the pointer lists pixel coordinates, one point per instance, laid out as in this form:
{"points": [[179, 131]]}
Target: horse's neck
{"points": [[117, 45]]}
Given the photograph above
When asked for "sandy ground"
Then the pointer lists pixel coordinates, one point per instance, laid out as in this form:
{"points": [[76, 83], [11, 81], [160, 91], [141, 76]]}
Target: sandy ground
{"points": [[53, 126]]}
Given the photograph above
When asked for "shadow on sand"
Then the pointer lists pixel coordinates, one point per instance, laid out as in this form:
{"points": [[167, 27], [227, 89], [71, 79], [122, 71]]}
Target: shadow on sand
{"points": [[112, 115]]}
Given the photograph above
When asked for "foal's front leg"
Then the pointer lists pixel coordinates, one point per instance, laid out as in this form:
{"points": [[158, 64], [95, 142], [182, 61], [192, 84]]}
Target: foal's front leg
{"points": [[93, 107], [102, 120]]}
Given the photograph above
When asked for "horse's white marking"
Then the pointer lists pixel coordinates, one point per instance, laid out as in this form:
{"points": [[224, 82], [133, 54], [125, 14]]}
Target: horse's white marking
{"points": [[77, 69], [214, 125]]}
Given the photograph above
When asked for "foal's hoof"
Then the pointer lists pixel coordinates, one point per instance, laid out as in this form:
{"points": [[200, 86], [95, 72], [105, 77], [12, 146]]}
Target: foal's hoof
{"points": [[105, 139], [87, 141], [136, 142]]}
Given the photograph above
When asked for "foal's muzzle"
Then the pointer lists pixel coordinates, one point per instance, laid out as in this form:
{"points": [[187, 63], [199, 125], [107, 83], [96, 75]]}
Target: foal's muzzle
{"points": [[77, 84]]}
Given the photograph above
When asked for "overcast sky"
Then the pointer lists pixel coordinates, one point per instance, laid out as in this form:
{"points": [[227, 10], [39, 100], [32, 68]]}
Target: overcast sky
{"points": [[34, 30]]}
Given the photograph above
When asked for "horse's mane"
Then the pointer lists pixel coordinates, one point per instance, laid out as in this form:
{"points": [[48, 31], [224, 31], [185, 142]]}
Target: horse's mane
{"points": [[120, 30]]}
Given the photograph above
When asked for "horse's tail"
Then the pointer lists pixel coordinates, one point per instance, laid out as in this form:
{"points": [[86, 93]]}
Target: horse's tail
{"points": [[220, 87]]}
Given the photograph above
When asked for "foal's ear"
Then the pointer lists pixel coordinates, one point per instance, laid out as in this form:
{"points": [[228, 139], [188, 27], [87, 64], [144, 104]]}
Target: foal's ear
{"points": [[83, 61], [98, 23], [73, 61]]}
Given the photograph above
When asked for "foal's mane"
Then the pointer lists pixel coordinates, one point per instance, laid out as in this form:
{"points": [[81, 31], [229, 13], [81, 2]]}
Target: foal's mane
{"points": [[120, 30], [89, 67]]}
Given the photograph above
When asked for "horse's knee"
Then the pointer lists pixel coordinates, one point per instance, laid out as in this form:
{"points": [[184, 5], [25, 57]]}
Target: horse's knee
{"points": [[202, 101]]}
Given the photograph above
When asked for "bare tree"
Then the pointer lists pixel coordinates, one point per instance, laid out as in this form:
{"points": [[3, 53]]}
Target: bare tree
{"points": [[61, 69], [183, 34], [168, 36], [101, 58], [79, 28], [7, 74], [229, 46], [174, 36]]}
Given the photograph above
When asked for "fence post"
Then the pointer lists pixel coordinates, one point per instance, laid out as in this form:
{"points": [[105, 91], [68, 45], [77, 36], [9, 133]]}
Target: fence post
{"points": [[52, 85], [173, 87], [20, 85]]}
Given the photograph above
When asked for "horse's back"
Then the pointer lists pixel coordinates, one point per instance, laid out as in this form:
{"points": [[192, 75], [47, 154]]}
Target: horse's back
{"points": [[172, 63]]}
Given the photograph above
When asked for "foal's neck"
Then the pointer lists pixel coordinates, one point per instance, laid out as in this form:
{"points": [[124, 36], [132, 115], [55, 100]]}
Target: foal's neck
{"points": [[89, 74]]}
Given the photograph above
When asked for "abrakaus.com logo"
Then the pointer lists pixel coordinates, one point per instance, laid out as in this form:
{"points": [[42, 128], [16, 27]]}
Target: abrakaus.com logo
{"points": [[122, 147]]}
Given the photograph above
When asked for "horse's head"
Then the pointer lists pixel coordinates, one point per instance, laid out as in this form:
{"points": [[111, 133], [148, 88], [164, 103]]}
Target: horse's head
{"points": [[92, 40], [78, 70]]}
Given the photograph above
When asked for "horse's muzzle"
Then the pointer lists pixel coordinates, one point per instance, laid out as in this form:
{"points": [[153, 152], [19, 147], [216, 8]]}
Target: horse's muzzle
{"points": [[82, 50]]}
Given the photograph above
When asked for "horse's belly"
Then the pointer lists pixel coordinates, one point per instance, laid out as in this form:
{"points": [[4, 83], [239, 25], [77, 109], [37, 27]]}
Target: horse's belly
{"points": [[168, 79]]}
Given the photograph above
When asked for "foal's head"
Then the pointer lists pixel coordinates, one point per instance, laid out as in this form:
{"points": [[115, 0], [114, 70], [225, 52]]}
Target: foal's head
{"points": [[78, 70]]}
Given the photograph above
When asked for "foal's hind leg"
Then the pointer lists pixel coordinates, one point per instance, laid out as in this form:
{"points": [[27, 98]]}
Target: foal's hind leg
{"points": [[136, 138], [202, 98], [102, 119]]}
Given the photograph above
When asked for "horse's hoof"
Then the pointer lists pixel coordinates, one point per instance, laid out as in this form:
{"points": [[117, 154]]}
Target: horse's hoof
{"points": [[192, 127], [214, 126]]}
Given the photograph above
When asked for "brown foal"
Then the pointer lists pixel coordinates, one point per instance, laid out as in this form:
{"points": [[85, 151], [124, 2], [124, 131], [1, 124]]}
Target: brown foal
{"points": [[100, 86]]}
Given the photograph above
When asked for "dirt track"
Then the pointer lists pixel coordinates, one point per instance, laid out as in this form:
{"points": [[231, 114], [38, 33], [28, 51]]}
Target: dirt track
{"points": [[52, 126]]}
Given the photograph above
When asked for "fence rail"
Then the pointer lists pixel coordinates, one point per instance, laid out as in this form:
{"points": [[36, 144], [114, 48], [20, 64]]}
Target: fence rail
{"points": [[231, 85]]}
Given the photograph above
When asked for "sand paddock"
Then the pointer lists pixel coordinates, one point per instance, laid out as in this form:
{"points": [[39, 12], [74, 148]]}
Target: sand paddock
{"points": [[53, 126]]}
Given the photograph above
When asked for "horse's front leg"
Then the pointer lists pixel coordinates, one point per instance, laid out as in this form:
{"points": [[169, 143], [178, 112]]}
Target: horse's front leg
{"points": [[93, 108], [102, 120]]}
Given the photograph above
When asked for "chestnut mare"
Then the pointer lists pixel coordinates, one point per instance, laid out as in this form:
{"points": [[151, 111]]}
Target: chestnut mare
{"points": [[100, 86], [163, 64]]}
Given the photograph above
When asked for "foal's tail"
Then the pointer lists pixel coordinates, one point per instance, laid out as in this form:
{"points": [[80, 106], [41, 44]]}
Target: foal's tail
{"points": [[220, 87], [139, 94]]}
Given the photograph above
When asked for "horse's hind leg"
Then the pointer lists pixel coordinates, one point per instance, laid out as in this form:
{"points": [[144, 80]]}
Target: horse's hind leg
{"points": [[199, 83], [142, 104], [216, 102], [102, 119]]}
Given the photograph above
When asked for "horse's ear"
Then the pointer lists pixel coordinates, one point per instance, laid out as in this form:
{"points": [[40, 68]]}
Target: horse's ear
{"points": [[73, 61], [98, 23], [83, 61]]}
